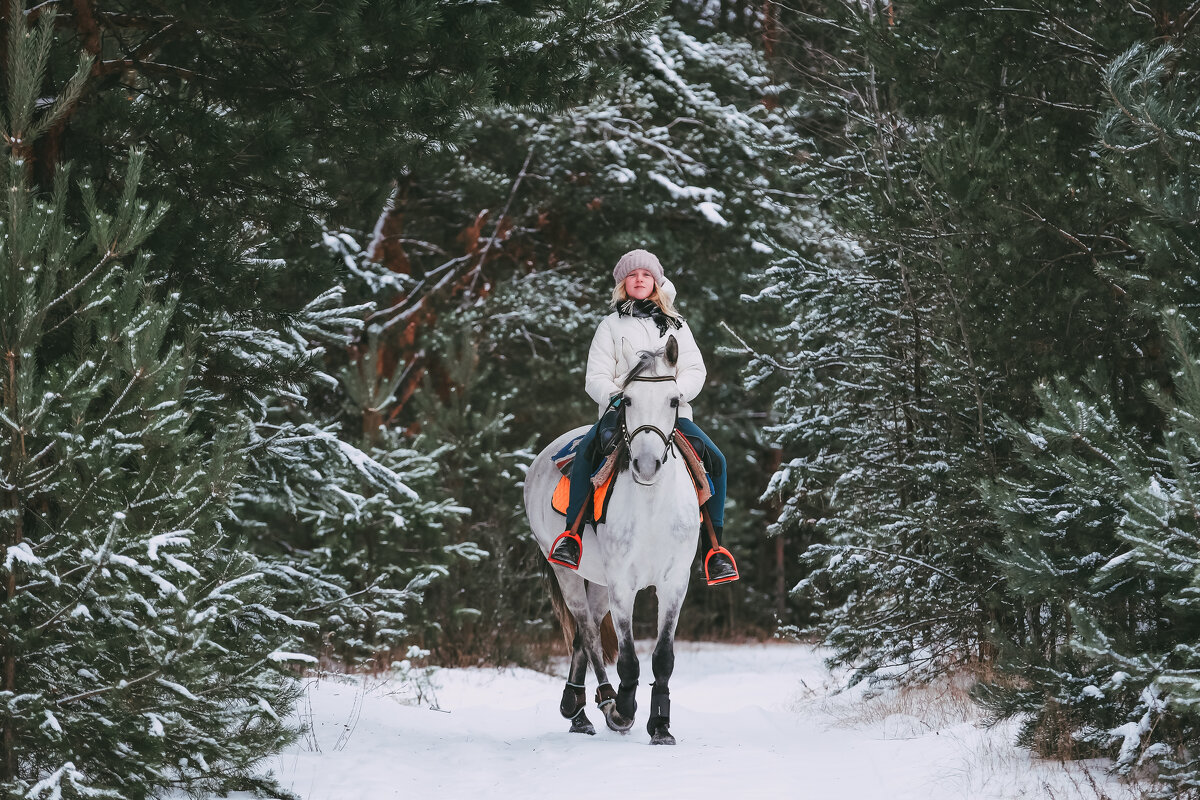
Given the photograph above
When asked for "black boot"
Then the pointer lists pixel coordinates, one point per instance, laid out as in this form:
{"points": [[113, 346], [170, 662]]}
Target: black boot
{"points": [[660, 715], [567, 550], [719, 566]]}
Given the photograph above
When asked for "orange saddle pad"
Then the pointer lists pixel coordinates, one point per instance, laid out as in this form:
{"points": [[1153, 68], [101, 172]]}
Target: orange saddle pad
{"points": [[562, 497]]}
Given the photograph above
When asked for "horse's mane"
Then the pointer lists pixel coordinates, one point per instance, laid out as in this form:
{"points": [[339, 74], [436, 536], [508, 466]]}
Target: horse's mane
{"points": [[646, 359]]}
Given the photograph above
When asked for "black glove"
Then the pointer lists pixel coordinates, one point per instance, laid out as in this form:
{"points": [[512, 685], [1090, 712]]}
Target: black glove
{"points": [[605, 438]]}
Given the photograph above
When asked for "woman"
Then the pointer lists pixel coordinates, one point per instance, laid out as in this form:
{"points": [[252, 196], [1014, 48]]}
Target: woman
{"points": [[645, 316]]}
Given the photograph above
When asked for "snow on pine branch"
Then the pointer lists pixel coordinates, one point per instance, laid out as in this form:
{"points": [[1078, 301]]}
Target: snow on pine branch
{"points": [[376, 473], [324, 318], [280, 655], [180, 537]]}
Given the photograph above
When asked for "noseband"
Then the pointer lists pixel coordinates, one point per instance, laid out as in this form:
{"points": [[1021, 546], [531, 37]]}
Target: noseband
{"points": [[668, 440]]}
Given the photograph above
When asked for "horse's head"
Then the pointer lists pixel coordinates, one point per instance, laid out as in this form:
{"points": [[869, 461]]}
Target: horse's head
{"points": [[651, 408]]}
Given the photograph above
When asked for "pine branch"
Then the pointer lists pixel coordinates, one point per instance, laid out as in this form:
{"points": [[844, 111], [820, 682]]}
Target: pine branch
{"points": [[633, 9], [122, 685], [909, 559], [748, 350], [87, 580], [475, 272], [105, 259], [338, 600]]}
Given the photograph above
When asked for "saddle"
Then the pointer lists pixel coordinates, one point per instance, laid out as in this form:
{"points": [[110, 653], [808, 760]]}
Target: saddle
{"points": [[602, 478]]}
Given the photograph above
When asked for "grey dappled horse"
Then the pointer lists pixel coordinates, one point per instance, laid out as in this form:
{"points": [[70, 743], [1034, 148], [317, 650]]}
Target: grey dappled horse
{"points": [[648, 539]]}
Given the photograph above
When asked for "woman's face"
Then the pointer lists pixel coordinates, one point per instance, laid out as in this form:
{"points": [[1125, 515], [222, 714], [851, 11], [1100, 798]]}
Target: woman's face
{"points": [[639, 284]]}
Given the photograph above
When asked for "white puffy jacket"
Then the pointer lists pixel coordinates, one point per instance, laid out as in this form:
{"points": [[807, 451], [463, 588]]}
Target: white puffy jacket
{"points": [[606, 364]]}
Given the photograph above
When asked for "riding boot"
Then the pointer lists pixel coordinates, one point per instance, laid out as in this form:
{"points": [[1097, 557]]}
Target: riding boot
{"points": [[567, 550], [568, 547], [719, 566]]}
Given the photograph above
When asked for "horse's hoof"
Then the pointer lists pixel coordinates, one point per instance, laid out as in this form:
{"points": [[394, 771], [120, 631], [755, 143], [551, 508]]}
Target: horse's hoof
{"points": [[581, 724], [616, 722], [662, 736]]}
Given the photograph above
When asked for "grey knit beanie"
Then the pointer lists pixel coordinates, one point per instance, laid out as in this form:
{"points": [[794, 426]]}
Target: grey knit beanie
{"points": [[638, 259]]}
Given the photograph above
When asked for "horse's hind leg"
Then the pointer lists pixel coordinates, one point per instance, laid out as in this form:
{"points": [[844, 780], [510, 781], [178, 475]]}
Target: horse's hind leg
{"points": [[585, 645], [663, 661], [599, 655], [574, 698]]}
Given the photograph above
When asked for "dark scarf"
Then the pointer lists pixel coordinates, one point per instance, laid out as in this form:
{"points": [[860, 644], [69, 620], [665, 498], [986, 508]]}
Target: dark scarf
{"points": [[648, 308]]}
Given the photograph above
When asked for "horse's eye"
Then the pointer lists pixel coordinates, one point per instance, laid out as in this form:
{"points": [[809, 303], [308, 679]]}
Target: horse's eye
{"points": [[674, 402]]}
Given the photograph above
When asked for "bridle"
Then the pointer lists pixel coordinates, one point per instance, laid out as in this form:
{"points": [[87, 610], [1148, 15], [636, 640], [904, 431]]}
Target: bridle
{"points": [[668, 440]]}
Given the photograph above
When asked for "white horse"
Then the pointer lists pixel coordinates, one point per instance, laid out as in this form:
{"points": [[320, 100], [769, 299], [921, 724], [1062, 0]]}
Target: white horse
{"points": [[648, 539]]}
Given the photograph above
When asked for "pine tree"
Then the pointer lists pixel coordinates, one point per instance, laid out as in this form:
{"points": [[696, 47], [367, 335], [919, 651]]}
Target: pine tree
{"points": [[1151, 648], [355, 542], [1061, 512], [449, 385], [140, 648], [1146, 135], [482, 462], [1100, 556], [986, 223], [1101, 551]]}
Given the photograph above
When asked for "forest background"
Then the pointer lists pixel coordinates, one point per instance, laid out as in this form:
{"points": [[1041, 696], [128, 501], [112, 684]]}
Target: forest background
{"points": [[290, 293]]}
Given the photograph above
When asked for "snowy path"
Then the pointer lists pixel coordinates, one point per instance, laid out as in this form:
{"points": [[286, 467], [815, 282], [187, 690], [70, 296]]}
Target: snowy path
{"points": [[752, 720]]}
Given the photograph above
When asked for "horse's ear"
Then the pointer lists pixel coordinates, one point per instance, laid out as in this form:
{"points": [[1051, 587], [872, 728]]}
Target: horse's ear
{"points": [[628, 354], [672, 351]]}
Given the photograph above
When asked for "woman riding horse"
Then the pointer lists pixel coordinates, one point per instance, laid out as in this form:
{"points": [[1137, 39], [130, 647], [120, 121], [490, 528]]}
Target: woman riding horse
{"points": [[644, 316]]}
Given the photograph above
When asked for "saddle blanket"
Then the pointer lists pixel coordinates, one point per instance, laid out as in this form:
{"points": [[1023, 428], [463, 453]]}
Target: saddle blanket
{"points": [[602, 478]]}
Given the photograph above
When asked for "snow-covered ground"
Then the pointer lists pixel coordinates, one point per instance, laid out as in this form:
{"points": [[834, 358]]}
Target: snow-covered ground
{"points": [[752, 720]]}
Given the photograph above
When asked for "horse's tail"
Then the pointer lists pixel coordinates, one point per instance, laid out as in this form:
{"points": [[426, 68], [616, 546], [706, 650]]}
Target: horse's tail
{"points": [[608, 639], [566, 620]]}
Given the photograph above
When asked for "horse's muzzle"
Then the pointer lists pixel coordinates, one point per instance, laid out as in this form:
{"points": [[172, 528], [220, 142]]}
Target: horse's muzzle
{"points": [[640, 476]]}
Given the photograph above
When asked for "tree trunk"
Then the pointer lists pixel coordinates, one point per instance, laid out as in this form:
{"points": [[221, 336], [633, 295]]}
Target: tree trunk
{"points": [[10, 657], [780, 578], [13, 504], [770, 27]]}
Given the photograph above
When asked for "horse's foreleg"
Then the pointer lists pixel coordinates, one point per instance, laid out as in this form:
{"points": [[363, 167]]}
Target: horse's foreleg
{"points": [[621, 607], [663, 663]]}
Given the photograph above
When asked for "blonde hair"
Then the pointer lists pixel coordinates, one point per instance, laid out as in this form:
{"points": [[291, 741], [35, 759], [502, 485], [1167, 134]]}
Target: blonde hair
{"points": [[659, 299]]}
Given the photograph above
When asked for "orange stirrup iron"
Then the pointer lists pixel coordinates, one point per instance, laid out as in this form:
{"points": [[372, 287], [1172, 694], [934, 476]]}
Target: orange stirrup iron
{"points": [[716, 549]]}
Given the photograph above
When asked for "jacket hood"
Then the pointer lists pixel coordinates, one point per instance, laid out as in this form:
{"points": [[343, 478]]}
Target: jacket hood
{"points": [[667, 289]]}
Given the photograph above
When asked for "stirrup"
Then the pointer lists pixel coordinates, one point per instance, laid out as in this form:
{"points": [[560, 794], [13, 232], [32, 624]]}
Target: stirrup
{"points": [[563, 559], [720, 578]]}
